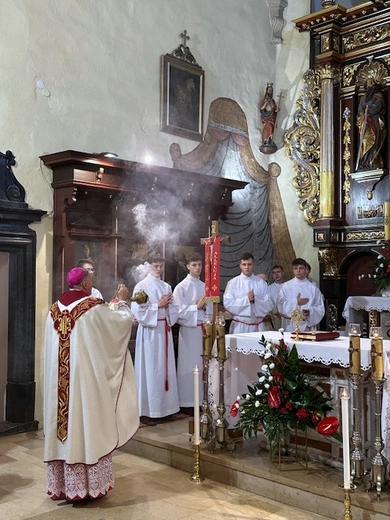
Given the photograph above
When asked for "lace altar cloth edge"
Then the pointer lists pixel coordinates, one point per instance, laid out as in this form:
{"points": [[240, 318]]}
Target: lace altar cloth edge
{"points": [[332, 352]]}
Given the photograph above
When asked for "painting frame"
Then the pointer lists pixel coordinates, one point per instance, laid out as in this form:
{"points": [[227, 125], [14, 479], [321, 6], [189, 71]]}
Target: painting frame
{"points": [[182, 98]]}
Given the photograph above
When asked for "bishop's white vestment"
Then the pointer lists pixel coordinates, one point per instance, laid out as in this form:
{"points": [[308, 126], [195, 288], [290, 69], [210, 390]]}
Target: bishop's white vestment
{"points": [[247, 316], [155, 366], [90, 401], [190, 346], [287, 302]]}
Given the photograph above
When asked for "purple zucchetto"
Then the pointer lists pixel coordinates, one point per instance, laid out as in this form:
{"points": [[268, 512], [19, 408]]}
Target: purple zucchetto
{"points": [[75, 276]]}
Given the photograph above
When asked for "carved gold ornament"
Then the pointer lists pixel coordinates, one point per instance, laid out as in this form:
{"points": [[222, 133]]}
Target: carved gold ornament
{"points": [[372, 70], [366, 36], [302, 144], [349, 74], [347, 155], [328, 257]]}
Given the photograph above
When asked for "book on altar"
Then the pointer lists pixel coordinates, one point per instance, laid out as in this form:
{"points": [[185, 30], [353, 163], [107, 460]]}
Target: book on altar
{"points": [[315, 335]]}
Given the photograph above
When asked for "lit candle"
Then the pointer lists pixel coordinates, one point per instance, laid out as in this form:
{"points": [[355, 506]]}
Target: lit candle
{"points": [[354, 348], [196, 406], [377, 367], [344, 396], [387, 219]]}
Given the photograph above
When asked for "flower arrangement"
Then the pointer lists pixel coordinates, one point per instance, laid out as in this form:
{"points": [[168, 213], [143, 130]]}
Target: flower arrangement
{"points": [[381, 274], [283, 398]]}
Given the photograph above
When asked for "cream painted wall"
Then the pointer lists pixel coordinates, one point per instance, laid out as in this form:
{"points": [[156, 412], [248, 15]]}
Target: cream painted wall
{"points": [[100, 64]]}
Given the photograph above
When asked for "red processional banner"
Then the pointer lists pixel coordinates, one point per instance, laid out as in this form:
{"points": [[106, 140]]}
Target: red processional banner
{"points": [[215, 267], [212, 258], [207, 266]]}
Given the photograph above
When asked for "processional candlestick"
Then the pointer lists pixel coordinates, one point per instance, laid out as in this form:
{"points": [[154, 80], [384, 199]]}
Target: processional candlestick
{"points": [[214, 329], [379, 476], [357, 455]]}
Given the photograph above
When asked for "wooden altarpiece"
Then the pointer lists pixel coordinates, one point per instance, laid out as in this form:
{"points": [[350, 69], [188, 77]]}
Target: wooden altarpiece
{"points": [[116, 211], [349, 46]]}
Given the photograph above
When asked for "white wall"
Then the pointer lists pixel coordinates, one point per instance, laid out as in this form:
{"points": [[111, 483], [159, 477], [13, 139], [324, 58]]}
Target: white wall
{"points": [[100, 63]]}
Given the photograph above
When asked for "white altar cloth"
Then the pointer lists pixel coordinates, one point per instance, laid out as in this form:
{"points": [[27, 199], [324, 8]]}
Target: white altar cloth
{"points": [[332, 352], [354, 304], [244, 362]]}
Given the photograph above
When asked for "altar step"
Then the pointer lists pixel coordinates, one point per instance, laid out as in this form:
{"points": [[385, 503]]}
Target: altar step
{"points": [[249, 468]]}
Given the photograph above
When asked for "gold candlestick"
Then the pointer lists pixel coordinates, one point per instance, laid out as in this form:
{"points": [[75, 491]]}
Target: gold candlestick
{"points": [[196, 476], [347, 504]]}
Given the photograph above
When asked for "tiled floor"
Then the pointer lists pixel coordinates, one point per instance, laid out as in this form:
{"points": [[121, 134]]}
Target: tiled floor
{"points": [[143, 490]]}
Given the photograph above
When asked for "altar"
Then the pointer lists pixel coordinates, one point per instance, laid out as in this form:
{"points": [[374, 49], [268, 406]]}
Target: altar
{"points": [[369, 311], [328, 359]]}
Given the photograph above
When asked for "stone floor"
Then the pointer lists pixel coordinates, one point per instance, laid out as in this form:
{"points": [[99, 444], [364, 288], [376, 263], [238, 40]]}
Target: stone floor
{"points": [[144, 489], [249, 468]]}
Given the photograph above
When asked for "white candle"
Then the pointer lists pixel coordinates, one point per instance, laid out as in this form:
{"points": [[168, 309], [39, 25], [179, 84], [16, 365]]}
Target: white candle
{"points": [[344, 396], [196, 406]]}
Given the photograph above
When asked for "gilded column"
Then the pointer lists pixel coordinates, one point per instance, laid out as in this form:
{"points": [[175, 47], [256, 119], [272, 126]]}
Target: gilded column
{"points": [[327, 162]]}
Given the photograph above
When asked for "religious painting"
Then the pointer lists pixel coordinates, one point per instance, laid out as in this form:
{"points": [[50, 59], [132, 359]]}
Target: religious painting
{"points": [[182, 95]]}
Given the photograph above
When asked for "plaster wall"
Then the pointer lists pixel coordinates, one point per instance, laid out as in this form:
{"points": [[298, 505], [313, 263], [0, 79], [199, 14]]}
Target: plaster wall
{"points": [[85, 75]]}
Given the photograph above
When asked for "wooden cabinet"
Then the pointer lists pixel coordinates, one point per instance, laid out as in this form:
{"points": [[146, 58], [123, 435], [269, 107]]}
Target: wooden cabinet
{"points": [[116, 212]]}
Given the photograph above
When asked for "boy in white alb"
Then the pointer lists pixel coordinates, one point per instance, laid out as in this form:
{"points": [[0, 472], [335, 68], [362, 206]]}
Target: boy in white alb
{"points": [[154, 364], [274, 287], [247, 298], [302, 294], [189, 297]]}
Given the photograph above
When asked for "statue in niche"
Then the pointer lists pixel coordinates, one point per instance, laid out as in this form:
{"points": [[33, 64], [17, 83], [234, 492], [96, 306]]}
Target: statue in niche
{"points": [[372, 127], [268, 112]]}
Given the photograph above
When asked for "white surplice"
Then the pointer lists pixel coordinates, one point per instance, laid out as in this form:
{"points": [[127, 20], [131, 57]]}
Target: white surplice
{"points": [[287, 302], [186, 295], [154, 351], [274, 289], [247, 316], [103, 412]]}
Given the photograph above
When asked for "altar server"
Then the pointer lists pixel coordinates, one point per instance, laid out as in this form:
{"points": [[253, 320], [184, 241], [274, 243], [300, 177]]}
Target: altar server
{"points": [[154, 365], [90, 401], [247, 298], [302, 294], [189, 296]]}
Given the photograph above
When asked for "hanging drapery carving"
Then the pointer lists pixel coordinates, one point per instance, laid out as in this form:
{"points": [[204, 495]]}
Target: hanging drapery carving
{"points": [[302, 142], [276, 9], [256, 222]]}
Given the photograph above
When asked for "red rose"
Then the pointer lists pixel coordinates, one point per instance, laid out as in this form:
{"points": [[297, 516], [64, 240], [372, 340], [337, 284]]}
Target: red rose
{"points": [[273, 398], [284, 411], [289, 406], [302, 414], [234, 408], [328, 425]]}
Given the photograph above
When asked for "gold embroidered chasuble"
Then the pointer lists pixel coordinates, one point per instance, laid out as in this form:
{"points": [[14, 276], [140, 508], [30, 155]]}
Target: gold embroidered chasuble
{"points": [[63, 324]]}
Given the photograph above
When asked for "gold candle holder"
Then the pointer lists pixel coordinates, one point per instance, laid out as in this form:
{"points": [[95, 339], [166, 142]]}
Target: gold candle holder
{"points": [[377, 364], [196, 476], [347, 504], [354, 348]]}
